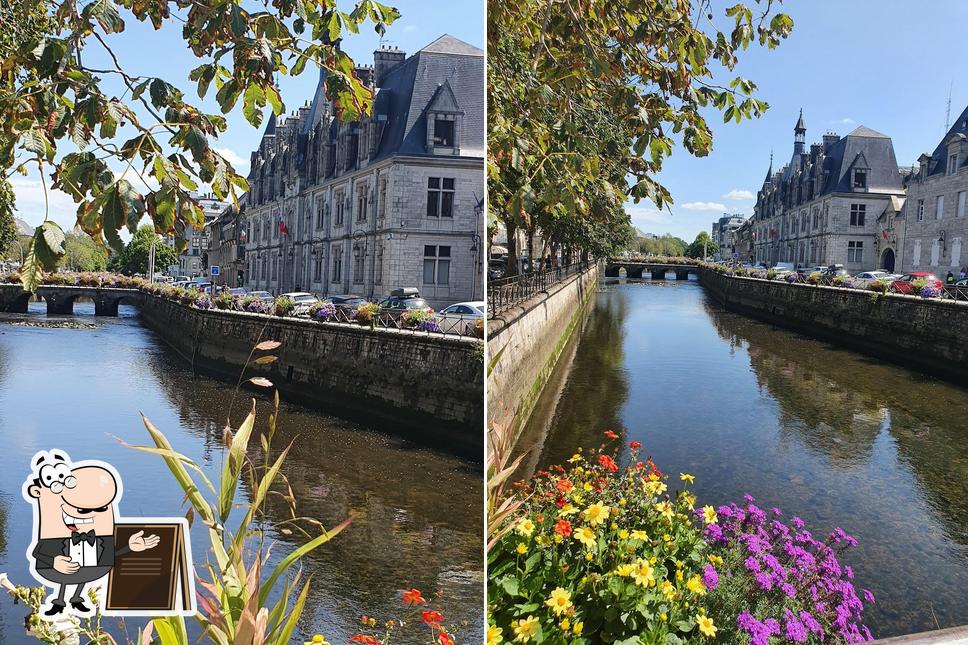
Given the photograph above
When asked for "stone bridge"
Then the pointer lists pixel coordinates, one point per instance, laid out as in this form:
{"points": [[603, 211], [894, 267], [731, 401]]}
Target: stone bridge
{"points": [[60, 298], [637, 268]]}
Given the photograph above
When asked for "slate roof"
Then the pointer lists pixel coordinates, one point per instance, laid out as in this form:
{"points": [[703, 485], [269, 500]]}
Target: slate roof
{"points": [[409, 88], [873, 150], [939, 158]]}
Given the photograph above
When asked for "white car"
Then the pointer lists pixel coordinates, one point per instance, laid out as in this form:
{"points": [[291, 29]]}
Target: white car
{"points": [[460, 317], [303, 301]]}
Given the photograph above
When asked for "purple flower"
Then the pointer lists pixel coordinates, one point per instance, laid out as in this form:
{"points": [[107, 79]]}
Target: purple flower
{"points": [[788, 589], [868, 596], [795, 630], [710, 578]]}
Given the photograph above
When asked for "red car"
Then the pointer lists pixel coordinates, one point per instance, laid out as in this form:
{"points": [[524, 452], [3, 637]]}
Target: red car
{"points": [[904, 284]]}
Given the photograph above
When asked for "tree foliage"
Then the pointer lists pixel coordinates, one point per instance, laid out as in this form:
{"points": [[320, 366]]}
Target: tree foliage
{"points": [[133, 258], [666, 245], [8, 227], [55, 115], [81, 253], [586, 98], [702, 246]]}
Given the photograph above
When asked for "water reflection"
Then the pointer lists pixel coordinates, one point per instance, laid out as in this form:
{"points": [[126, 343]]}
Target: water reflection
{"points": [[820, 431], [419, 511]]}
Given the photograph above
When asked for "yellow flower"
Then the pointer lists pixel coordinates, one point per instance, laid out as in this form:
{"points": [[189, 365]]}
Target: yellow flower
{"points": [[559, 601], [667, 538], [706, 625], [663, 617], [566, 510], [574, 458], [525, 629], [624, 570], [542, 540], [687, 478], [588, 556], [639, 534], [494, 635], [596, 513], [709, 515], [622, 502], [565, 625], [715, 559], [558, 538], [318, 639], [623, 534], [668, 589], [577, 628], [696, 586], [522, 548], [690, 500], [679, 575], [586, 536], [587, 487], [655, 487], [665, 509], [642, 573], [525, 527]]}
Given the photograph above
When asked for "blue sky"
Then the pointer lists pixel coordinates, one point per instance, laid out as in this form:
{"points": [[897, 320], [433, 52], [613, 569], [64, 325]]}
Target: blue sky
{"points": [[885, 64], [144, 51]]}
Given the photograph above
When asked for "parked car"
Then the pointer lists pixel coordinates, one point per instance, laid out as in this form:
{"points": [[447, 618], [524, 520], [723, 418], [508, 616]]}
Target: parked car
{"points": [[864, 278], [401, 300], [263, 295], [903, 285], [238, 291], [303, 300], [346, 302], [496, 269], [834, 270], [461, 317]]}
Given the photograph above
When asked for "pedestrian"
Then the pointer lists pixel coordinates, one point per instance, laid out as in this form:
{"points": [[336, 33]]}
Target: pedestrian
{"points": [[950, 278], [962, 273]]}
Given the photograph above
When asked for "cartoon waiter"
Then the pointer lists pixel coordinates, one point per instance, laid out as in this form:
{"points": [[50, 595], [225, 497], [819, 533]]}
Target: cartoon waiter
{"points": [[74, 517]]}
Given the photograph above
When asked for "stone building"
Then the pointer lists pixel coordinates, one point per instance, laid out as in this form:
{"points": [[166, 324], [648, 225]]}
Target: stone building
{"points": [[823, 206], [225, 249], [934, 222], [394, 200], [724, 234], [191, 264], [743, 241]]}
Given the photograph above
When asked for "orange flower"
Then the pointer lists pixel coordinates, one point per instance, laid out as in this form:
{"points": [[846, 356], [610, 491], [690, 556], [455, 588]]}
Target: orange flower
{"points": [[413, 597], [445, 638], [563, 528], [608, 463], [610, 434], [564, 485], [365, 639], [432, 618], [634, 445]]}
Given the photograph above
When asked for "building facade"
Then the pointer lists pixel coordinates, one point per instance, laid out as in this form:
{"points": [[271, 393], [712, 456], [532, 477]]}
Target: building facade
{"points": [[394, 200], [823, 206], [724, 234], [934, 223], [192, 263], [743, 241], [226, 248]]}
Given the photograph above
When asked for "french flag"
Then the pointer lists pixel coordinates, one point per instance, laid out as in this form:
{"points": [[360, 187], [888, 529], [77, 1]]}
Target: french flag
{"points": [[282, 227]]}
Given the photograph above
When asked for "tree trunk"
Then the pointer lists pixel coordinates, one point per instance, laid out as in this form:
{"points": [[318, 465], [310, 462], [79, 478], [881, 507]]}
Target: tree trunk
{"points": [[512, 259]]}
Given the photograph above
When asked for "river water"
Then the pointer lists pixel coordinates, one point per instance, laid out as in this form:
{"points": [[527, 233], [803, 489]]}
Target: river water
{"points": [[837, 437], [420, 518]]}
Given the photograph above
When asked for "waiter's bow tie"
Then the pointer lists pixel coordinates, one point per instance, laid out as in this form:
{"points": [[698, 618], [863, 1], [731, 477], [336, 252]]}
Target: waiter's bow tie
{"points": [[86, 536]]}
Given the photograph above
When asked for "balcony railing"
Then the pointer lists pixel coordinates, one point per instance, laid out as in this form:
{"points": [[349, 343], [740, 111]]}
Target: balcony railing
{"points": [[504, 293]]}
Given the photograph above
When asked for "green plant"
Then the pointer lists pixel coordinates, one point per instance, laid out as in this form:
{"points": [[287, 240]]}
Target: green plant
{"points": [[771, 274], [413, 317], [224, 300], [595, 549], [878, 286], [284, 306], [367, 312], [917, 285], [478, 328]]}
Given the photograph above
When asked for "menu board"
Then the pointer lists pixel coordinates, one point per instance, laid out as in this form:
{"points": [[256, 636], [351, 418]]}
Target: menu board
{"points": [[155, 580]]}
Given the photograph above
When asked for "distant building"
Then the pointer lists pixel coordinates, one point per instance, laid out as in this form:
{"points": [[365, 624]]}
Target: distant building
{"points": [[934, 223], [724, 235], [225, 249], [394, 200], [823, 206], [191, 263], [743, 241]]}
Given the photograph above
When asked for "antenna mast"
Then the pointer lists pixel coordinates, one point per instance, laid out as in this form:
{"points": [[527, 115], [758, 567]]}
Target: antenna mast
{"points": [[947, 115]]}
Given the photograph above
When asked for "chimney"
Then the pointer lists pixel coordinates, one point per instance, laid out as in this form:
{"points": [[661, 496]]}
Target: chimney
{"points": [[829, 139], [384, 60], [365, 74]]}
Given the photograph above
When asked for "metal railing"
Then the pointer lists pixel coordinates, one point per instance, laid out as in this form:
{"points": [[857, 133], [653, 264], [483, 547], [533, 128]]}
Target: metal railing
{"points": [[504, 293]]}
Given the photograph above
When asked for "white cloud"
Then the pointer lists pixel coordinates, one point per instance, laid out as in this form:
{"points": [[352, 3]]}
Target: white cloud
{"points": [[409, 28], [31, 206], [738, 194], [644, 215], [704, 206], [846, 120], [237, 162]]}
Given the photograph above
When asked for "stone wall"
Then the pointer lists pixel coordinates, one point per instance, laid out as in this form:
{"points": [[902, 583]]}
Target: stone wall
{"points": [[525, 342], [930, 335], [426, 387]]}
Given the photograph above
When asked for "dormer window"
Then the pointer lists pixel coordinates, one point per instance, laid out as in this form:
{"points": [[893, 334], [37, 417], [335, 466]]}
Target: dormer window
{"points": [[953, 164], [443, 132], [860, 179]]}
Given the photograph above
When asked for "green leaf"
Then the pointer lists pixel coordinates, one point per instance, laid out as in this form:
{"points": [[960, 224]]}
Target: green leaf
{"points": [[232, 465], [252, 103]]}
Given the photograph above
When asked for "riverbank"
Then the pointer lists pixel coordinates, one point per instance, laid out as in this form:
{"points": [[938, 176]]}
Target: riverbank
{"points": [[422, 386], [930, 335]]}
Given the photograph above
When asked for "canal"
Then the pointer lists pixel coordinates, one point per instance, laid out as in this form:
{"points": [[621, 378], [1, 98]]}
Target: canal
{"points": [[836, 437], [420, 518]]}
